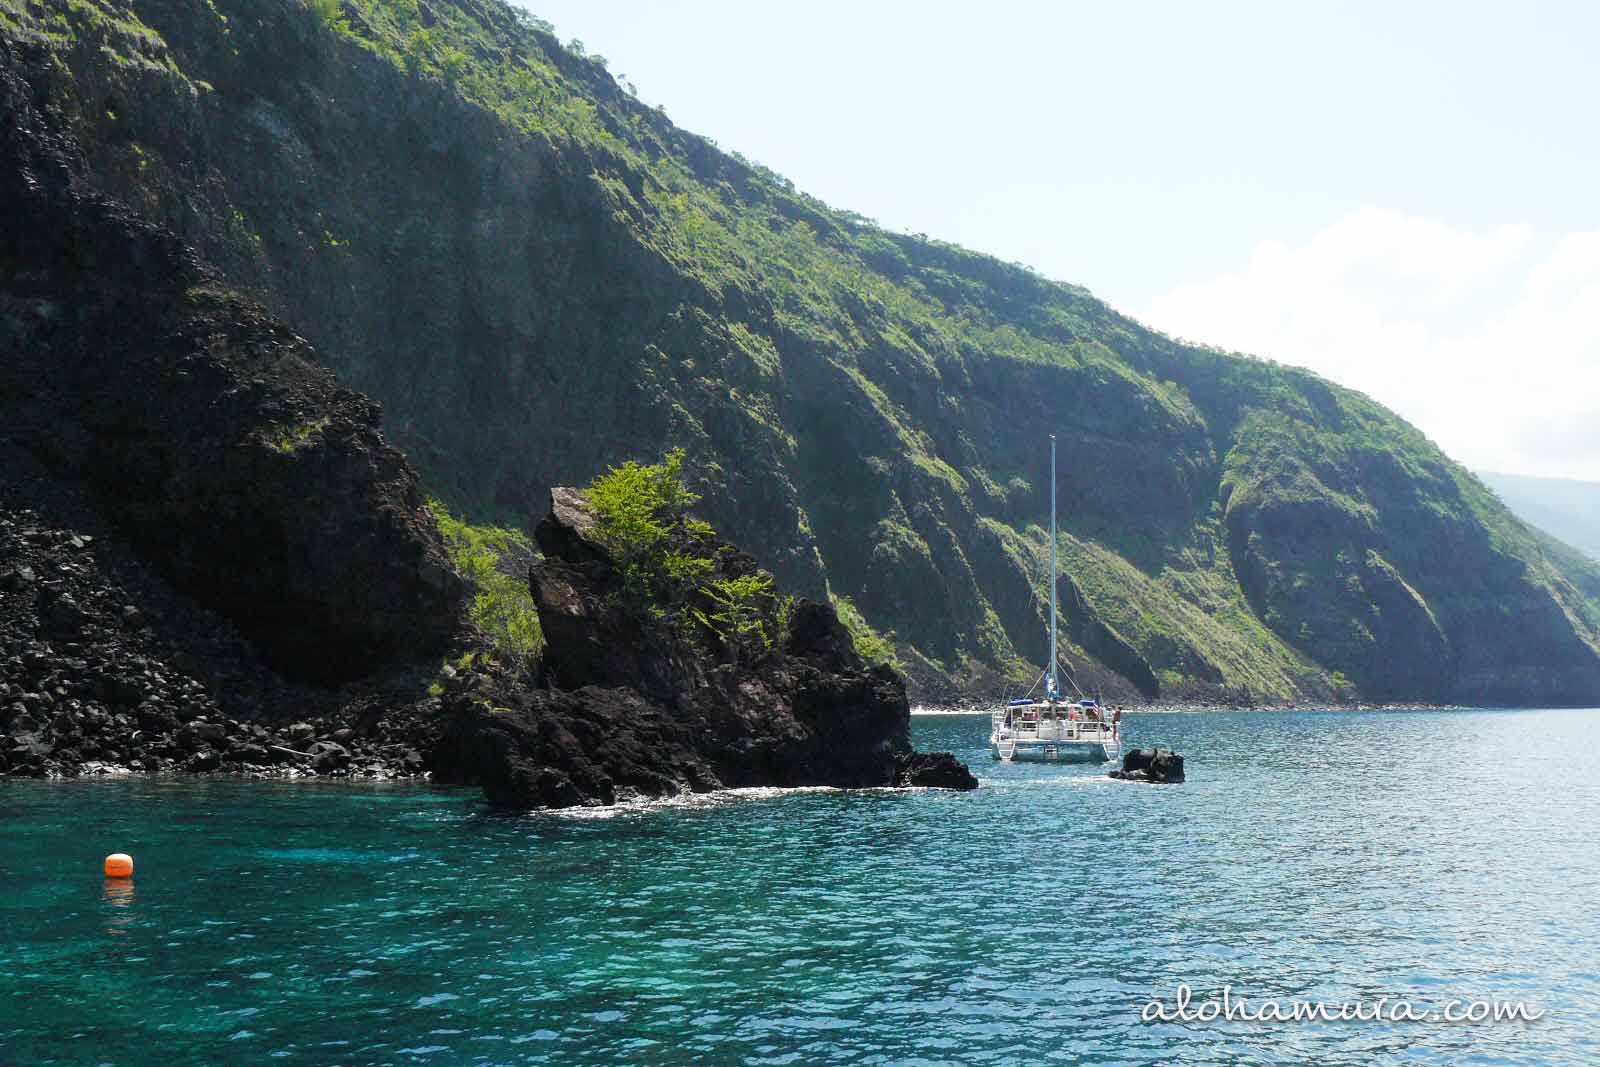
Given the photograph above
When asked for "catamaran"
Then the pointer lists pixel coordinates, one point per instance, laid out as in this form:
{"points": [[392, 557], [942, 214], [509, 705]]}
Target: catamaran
{"points": [[1049, 729]]}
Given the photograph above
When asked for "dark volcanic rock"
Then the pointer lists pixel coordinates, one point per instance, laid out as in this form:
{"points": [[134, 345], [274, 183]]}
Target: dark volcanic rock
{"points": [[202, 427], [59, 614], [939, 770], [328, 756], [652, 710], [197, 523], [1161, 765], [558, 749]]}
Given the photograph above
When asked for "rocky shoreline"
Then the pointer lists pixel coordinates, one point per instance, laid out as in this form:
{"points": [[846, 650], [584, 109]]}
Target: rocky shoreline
{"points": [[105, 669]]}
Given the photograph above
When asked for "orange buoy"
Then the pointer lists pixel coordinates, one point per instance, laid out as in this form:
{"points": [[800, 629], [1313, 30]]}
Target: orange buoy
{"points": [[119, 865]]}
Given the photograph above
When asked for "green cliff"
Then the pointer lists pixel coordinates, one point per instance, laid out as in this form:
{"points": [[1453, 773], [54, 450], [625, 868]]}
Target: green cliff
{"points": [[540, 277]]}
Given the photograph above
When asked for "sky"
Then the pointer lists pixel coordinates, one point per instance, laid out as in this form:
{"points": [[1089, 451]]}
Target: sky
{"points": [[1401, 197]]}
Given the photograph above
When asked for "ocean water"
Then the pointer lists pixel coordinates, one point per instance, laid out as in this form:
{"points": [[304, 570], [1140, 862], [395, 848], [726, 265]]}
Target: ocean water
{"points": [[1321, 856]]}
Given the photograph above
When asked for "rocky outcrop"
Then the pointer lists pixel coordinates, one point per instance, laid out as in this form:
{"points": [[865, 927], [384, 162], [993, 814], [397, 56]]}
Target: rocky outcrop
{"points": [[105, 668], [636, 706], [1159, 765]]}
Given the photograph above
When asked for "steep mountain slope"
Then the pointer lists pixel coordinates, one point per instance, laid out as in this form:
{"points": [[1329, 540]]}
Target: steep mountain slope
{"points": [[539, 276], [1568, 509], [203, 535]]}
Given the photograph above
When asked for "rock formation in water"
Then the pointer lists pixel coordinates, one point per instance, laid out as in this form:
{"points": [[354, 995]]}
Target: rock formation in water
{"points": [[1159, 765], [639, 706]]}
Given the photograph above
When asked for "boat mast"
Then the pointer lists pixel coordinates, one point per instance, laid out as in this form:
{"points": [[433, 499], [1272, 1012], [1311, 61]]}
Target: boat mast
{"points": [[1051, 683]]}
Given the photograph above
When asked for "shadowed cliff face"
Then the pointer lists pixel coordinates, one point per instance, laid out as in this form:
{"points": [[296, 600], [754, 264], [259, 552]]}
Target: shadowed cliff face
{"points": [[202, 428], [540, 277]]}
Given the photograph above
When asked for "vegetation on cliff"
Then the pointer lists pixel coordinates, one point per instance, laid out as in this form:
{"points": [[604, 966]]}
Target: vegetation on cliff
{"points": [[494, 561], [870, 645], [671, 564], [539, 277]]}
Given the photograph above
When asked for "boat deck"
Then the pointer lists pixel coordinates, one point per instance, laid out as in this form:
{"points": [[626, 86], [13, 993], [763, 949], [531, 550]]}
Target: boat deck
{"points": [[1053, 732]]}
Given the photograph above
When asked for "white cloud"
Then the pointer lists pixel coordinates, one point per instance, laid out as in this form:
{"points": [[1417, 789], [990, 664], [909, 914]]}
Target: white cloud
{"points": [[1489, 342]]}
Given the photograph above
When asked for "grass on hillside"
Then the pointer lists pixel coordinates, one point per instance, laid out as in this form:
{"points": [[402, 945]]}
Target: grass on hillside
{"points": [[871, 646]]}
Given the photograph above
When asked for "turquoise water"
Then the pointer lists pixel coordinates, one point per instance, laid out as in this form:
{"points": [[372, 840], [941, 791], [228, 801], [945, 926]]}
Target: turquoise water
{"points": [[1324, 856]]}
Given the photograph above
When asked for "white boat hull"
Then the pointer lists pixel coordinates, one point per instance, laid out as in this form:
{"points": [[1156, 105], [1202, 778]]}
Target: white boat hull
{"points": [[1047, 732], [1053, 751]]}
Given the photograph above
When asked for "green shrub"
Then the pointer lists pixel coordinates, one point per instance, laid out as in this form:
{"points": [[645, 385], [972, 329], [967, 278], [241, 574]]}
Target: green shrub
{"points": [[329, 14], [637, 506], [502, 605], [667, 559], [289, 439], [742, 609], [635, 503], [453, 64]]}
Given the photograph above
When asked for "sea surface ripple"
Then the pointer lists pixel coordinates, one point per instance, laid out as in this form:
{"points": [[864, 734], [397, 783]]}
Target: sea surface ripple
{"points": [[1325, 856]]}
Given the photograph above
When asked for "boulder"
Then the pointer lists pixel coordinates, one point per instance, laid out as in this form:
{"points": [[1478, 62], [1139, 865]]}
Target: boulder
{"points": [[188, 739], [26, 750], [118, 689], [249, 753], [937, 770], [1159, 764], [329, 756], [59, 614], [15, 579], [210, 732]]}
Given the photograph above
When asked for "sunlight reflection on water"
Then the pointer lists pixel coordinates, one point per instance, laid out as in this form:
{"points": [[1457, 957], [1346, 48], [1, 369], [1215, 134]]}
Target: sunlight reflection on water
{"points": [[1317, 855]]}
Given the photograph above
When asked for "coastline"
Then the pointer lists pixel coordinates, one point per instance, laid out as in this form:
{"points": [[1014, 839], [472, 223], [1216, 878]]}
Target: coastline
{"points": [[979, 708]]}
